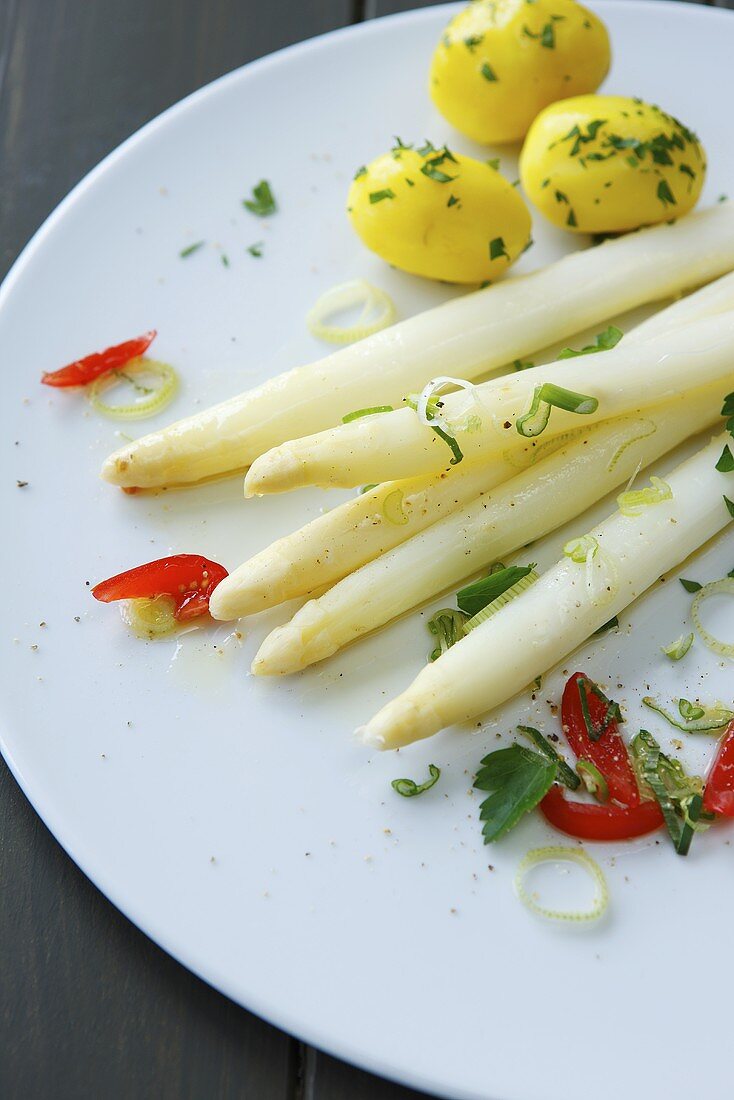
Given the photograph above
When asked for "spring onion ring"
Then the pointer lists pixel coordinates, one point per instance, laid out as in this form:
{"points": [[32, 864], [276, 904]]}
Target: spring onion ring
{"points": [[679, 648], [428, 408], [562, 854], [632, 503], [578, 549], [347, 296], [715, 588], [152, 401], [149, 618]]}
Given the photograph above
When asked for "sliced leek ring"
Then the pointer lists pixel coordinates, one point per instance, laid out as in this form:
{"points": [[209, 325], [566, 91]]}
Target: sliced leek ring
{"points": [[347, 296], [152, 399], [563, 854]]}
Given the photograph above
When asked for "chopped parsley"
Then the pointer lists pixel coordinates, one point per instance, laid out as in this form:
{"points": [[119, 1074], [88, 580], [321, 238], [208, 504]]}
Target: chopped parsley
{"points": [[690, 586], [361, 172], [453, 201], [432, 167], [725, 465], [262, 203], [494, 163], [665, 194], [488, 72], [256, 249], [497, 249], [571, 220], [191, 249], [472, 41], [605, 341], [378, 196]]}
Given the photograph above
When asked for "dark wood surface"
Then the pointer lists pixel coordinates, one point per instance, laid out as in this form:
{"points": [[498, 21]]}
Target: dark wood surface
{"points": [[89, 1007]]}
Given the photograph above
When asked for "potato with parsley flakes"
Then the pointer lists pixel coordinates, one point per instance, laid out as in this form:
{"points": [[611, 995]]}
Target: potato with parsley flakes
{"points": [[607, 164], [500, 62], [440, 214]]}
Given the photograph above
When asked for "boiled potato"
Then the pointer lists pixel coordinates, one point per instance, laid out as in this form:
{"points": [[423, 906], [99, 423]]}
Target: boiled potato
{"points": [[500, 62], [439, 214], [606, 164]]}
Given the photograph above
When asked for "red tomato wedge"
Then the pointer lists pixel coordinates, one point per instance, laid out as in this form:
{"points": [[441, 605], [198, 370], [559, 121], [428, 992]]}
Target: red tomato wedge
{"points": [[593, 821], [609, 752], [83, 371], [188, 578], [718, 795]]}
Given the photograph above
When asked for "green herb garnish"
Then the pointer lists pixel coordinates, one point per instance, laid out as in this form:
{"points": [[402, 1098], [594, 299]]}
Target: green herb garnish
{"points": [[474, 597], [408, 788], [256, 249], [518, 779], [605, 341], [497, 249], [359, 413], [535, 420], [447, 625], [262, 202], [677, 794], [665, 194], [725, 465], [191, 249], [378, 196], [691, 586], [488, 72], [565, 774]]}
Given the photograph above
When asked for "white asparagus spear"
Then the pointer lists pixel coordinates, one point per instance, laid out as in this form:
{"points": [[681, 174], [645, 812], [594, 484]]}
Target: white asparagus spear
{"points": [[519, 511], [357, 531], [399, 444], [561, 610], [470, 335]]}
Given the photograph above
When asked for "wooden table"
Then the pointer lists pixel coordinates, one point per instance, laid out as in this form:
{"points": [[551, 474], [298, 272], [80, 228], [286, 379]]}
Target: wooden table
{"points": [[89, 1007]]}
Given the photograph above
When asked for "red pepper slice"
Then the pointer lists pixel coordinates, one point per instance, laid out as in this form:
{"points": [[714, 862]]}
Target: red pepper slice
{"points": [[718, 795], [593, 821], [609, 753], [83, 371], [189, 578]]}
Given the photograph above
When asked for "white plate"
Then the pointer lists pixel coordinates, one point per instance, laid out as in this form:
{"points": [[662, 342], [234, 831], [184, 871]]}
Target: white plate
{"points": [[237, 822]]}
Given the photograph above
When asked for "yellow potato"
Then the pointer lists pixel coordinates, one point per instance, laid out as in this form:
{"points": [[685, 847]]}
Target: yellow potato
{"points": [[500, 62], [439, 214], [606, 164]]}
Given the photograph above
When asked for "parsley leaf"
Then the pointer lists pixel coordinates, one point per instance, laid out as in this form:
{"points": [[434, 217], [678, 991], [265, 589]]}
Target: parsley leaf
{"points": [[488, 72], [262, 202], [256, 249], [690, 586], [605, 341], [408, 788], [729, 506], [360, 172], [518, 778], [476, 596]]}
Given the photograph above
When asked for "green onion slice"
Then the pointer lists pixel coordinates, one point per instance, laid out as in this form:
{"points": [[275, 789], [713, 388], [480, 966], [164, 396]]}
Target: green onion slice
{"points": [[371, 411], [149, 618], [723, 587], [678, 648], [378, 312], [408, 788], [693, 718], [496, 605], [428, 406], [392, 508], [563, 854], [448, 626], [593, 780], [580, 549], [631, 503], [535, 419], [137, 374]]}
